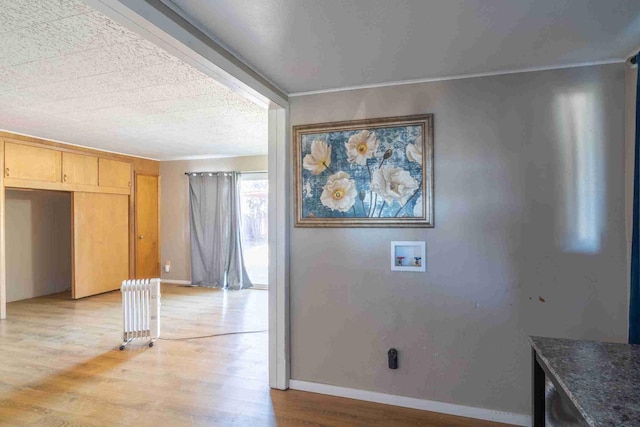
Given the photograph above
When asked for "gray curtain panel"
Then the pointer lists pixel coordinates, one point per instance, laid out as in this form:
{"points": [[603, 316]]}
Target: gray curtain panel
{"points": [[216, 246]]}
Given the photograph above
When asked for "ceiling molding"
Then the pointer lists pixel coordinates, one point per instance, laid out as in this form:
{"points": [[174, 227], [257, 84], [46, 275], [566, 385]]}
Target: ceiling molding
{"points": [[209, 157], [458, 77], [76, 145], [233, 54], [635, 51]]}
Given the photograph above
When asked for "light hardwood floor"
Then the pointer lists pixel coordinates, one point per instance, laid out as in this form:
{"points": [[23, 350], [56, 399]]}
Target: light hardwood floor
{"points": [[60, 366]]}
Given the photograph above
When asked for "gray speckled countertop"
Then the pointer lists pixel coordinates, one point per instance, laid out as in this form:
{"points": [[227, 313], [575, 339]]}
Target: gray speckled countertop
{"points": [[601, 379]]}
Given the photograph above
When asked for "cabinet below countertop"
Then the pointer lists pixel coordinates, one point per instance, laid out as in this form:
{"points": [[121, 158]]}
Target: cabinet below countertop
{"points": [[597, 380]]}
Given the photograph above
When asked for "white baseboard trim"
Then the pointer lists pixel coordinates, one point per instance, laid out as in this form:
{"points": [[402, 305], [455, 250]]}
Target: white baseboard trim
{"points": [[411, 402], [188, 282], [176, 282]]}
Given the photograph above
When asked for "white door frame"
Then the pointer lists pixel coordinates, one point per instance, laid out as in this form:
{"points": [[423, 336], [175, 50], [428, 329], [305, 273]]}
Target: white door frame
{"points": [[163, 25], [279, 367]]}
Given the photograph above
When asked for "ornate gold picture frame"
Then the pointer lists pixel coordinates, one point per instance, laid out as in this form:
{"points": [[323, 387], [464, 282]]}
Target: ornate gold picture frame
{"points": [[365, 173]]}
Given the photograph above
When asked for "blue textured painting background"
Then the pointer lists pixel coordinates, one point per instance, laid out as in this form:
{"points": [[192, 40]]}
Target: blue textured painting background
{"points": [[396, 138]]}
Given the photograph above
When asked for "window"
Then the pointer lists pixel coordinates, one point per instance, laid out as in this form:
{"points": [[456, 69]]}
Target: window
{"points": [[254, 208]]}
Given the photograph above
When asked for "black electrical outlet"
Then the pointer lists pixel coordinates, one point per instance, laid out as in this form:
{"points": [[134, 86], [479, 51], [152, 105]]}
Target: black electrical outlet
{"points": [[393, 358]]}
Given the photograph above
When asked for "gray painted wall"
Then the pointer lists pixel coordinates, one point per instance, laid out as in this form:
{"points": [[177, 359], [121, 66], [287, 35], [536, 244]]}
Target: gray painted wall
{"points": [[38, 243], [174, 206], [529, 239]]}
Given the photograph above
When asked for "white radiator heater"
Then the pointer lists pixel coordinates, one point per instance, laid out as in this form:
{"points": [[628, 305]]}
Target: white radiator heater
{"points": [[140, 310]]}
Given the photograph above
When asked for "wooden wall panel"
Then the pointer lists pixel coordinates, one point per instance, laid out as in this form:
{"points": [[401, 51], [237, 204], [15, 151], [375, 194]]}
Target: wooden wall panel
{"points": [[61, 186], [146, 166]]}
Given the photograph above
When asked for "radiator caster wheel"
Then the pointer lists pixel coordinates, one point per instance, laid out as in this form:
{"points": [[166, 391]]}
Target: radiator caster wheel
{"points": [[121, 347], [151, 344]]}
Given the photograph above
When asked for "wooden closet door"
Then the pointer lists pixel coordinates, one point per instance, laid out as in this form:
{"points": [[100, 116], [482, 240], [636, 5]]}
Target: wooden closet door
{"points": [[100, 243], [147, 227]]}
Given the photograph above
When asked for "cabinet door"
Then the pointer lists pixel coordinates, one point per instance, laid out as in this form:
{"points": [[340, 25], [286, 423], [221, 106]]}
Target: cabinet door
{"points": [[79, 169], [100, 243], [33, 163], [114, 173]]}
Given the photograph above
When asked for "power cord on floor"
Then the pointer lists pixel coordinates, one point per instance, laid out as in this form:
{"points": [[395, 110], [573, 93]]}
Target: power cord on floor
{"points": [[212, 336]]}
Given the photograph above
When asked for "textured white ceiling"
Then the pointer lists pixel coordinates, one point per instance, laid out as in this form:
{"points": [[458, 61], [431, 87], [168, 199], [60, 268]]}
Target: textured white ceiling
{"points": [[71, 74], [306, 45]]}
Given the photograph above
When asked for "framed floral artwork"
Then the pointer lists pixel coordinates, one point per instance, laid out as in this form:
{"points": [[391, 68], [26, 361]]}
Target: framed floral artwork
{"points": [[365, 173]]}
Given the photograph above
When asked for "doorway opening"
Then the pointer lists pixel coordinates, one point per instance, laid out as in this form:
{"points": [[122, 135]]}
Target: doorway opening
{"points": [[203, 55]]}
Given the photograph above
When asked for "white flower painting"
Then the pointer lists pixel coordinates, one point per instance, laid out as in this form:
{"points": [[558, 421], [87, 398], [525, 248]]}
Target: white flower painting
{"points": [[365, 173]]}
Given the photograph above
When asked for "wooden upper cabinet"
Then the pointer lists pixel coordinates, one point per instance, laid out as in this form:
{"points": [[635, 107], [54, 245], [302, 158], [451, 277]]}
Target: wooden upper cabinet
{"points": [[114, 173], [32, 163], [79, 169]]}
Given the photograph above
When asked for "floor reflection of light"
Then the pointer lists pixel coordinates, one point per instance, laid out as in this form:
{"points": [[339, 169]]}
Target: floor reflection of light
{"points": [[581, 171], [225, 305]]}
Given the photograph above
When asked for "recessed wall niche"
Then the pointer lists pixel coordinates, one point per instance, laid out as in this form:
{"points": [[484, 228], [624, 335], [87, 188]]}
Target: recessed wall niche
{"points": [[408, 256]]}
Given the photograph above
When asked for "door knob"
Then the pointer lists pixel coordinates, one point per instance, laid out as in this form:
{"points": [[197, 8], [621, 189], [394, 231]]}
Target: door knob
{"points": [[7, 172], [141, 237]]}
